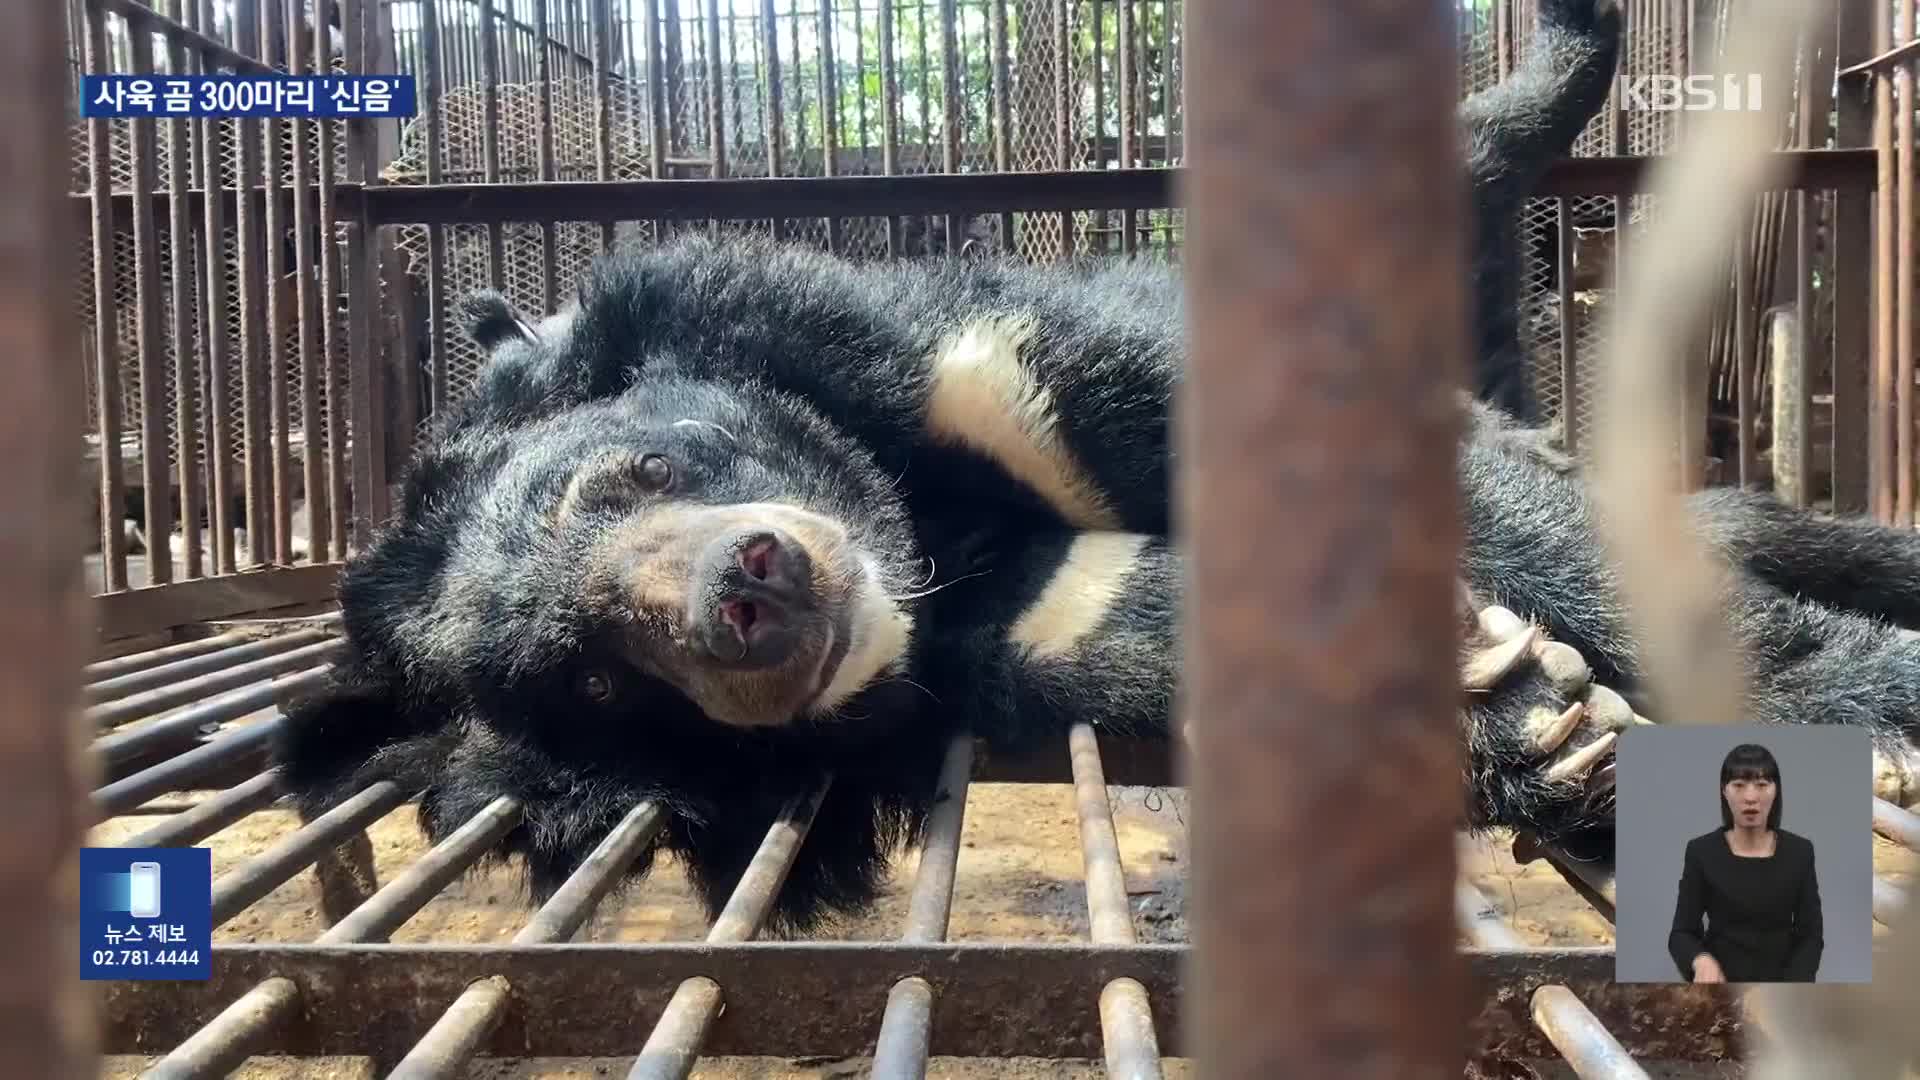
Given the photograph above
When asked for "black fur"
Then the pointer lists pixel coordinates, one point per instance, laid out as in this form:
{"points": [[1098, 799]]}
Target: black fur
{"points": [[1544, 103], [473, 614]]}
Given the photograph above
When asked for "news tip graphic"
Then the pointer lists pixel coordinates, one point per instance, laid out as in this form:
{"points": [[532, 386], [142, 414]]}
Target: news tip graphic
{"points": [[226, 96], [146, 913]]}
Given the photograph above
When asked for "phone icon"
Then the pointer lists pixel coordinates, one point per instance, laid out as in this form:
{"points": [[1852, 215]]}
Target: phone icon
{"points": [[144, 894]]}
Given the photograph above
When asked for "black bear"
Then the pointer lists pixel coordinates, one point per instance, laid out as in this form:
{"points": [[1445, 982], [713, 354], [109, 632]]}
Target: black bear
{"points": [[746, 516]]}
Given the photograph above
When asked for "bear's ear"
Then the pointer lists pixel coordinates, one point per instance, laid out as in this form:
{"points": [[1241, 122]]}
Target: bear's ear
{"points": [[342, 736], [489, 319]]}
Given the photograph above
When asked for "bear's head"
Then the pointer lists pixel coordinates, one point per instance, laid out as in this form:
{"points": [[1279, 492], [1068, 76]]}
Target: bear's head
{"points": [[607, 581]]}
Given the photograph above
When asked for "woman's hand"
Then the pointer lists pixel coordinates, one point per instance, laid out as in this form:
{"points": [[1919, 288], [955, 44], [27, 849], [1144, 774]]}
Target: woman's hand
{"points": [[1707, 970]]}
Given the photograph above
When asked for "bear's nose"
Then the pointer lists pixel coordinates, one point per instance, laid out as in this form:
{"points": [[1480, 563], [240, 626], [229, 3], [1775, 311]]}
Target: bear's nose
{"points": [[750, 586]]}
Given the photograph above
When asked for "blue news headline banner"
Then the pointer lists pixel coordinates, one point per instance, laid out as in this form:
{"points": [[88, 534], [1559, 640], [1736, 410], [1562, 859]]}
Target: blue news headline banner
{"points": [[283, 96], [146, 913]]}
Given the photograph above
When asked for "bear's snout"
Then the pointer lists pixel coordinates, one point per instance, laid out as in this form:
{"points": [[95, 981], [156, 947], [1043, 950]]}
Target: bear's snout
{"points": [[751, 589]]}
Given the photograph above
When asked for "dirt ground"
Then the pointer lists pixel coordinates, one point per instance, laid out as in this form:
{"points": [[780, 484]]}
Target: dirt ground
{"points": [[1019, 878]]}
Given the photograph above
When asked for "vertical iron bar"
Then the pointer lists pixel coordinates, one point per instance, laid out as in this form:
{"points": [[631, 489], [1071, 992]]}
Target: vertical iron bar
{"points": [[1097, 55], [543, 75], [433, 93], [307, 303], [186, 358], [1129, 74], [1002, 112], [603, 104], [1853, 285], [889, 107], [1063, 96], [255, 313], [1903, 278], [490, 135], [47, 1016], [1880, 426], [332, 356], [219, 355], [366, 373], [658, 129], [1325, 346], [153, 390], [950, 108], [1569, 333], [106, 329], [829, 116], [276, 225], [770, 78]]}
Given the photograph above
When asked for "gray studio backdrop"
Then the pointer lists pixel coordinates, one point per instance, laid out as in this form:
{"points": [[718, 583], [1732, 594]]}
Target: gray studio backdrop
{"points": [[1669, 790]]}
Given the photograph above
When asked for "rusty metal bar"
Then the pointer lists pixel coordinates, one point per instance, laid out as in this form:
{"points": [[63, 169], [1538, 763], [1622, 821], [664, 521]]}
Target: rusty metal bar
{"points": [[934, 193], [297, 850], [1002, 101], [901, 1050], [1569, 330], [155, 677], [1903, 342], [1744, 347], [1126, 1017], [1063, 98], [580, 999], [149, 702], [186, 365], [775, 121], [658, 127], [219, 1047], [1315, 433], [218, 357], [1899, 54], [459, 1033], [1560, 1015], [254, 320], [121, 666], [333, 507], [138, 14], [106, 351], [179, 771], [670, 1050], [47, 1017], [276, 230], [949, 110], [1853, 286], [212, 814], [155, 483], [490, 134], [1880, 460], [367, 371], [433, 94], [307, 302], [889, 121], [830, 113], [179, 729], [603, 104], [1127, 73]]}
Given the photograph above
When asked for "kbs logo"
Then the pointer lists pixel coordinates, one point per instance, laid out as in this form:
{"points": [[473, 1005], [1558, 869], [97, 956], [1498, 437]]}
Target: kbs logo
{"points": [[1689, 93]]}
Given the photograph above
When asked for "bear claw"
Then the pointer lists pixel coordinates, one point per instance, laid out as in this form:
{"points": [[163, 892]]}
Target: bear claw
{"points": [[1551, 729], [1490, 666]]}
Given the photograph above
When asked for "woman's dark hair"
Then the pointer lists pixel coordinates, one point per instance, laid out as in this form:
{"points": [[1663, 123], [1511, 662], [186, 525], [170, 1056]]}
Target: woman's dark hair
{"points": [[1749, 761]]}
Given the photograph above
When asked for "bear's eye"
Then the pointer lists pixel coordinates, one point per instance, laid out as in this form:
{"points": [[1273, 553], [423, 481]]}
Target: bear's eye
{"points": [[596, 686], [653, 472]]}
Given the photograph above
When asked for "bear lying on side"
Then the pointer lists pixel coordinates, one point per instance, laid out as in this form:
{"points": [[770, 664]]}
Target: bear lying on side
{"points": [[744, 515]]}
